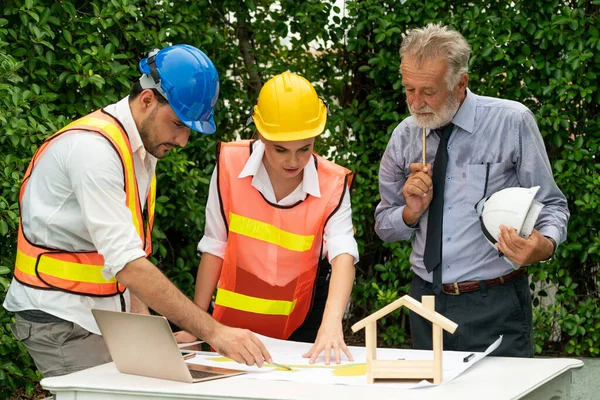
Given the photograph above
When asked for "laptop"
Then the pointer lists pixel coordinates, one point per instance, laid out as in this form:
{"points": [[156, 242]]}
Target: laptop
{"points": [[144, 345]]}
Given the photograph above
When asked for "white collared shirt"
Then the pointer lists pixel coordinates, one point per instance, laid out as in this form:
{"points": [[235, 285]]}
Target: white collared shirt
{"points": [[339, 232], [75, 201]]}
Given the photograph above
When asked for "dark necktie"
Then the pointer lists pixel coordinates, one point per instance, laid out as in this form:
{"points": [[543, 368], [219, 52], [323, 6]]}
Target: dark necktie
{"points": [[433, 243]]}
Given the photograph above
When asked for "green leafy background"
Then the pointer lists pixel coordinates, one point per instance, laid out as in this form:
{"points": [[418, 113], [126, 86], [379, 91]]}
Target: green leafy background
{"points": [[60, 59]]}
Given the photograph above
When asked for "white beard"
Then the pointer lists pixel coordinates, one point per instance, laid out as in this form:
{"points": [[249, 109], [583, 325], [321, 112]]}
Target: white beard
{"points": [[435, 120]]}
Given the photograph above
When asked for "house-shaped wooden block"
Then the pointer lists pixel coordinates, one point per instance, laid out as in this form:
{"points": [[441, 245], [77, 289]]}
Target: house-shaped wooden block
{"points": [[406, 369]]}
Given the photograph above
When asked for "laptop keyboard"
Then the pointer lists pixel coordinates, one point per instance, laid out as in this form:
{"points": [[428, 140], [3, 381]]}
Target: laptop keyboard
{"points": [[202, 374]]}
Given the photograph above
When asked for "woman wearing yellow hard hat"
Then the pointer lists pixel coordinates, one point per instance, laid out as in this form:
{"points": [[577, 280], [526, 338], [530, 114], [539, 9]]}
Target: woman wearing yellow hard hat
{"points": [[279, 239]]}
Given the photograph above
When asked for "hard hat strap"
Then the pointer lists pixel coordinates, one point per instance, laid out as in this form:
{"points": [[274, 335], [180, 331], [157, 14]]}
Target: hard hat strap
{"points": [[152, 81], [153, 71], [486, 233], [147, 82]]}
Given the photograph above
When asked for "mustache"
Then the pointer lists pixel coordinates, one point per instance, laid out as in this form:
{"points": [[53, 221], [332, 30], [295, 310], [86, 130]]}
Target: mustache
{"points": [[423, 109]]}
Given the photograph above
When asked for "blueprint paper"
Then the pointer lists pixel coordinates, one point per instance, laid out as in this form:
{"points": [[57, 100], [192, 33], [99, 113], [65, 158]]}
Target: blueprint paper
{"points": [[345, 373]]}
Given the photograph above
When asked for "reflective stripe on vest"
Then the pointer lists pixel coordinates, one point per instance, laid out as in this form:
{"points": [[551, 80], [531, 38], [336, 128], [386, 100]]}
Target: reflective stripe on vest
{"points": [[273, 252], [81, 272], [150, 204], [269, 233], [226, 298]]}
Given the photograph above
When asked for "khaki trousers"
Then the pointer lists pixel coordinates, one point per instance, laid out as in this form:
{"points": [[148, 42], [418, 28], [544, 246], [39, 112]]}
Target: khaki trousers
{"points": [[59, 348]]}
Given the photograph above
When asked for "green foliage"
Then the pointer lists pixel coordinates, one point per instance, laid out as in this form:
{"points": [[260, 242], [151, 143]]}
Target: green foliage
{"points": [[60, 60], [25, 118], [17, 370]]}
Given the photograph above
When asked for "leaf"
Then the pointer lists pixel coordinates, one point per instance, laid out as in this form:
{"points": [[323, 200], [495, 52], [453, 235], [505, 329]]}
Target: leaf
{"points": [[33, 15], [50, 57], [44, 110], [573, 24], [67, 36], [559, 20], [69, 8], [3, 227]]}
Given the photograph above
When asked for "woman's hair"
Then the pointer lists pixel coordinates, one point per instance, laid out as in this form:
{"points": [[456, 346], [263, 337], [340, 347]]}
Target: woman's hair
{"points": [[436, 41]]}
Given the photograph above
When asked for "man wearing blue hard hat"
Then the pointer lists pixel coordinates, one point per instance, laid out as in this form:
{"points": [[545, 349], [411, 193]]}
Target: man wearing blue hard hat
{"points": [[87, 210]]}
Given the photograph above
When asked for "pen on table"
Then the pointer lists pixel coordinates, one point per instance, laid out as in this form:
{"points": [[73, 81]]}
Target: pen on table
{"points": [[187, 356], [282, 366], [469, 357]]}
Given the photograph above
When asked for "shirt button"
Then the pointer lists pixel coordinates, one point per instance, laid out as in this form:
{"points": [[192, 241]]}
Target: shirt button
{"points": [[449, 208], [447, 267], [449, 147], [449, 178], [448, 239]]}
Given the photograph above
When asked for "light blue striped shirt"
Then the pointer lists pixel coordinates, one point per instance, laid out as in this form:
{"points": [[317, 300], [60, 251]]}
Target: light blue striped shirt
{"points": [[487, 130]]}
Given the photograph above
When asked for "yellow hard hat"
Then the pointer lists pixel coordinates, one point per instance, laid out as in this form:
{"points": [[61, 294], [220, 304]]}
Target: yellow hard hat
{"points": [[289, 109]]}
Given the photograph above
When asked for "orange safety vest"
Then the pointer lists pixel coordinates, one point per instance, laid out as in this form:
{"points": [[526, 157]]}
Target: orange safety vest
{"points": [[81, 272], [268, 276]]}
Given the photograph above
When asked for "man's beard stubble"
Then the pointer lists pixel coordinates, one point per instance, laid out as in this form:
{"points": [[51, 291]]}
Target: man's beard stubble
{"points": [[150, 139], [146, 132]]}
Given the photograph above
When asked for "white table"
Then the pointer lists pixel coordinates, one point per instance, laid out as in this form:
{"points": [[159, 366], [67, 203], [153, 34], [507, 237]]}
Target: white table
{"points": [[492, 378]]}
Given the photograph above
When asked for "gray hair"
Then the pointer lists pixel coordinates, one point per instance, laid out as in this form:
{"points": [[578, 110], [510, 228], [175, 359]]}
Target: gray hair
{"points": [[437, 41]]}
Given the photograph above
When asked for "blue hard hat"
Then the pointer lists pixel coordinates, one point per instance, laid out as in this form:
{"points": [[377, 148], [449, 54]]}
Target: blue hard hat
{"points": [[187, 78]]}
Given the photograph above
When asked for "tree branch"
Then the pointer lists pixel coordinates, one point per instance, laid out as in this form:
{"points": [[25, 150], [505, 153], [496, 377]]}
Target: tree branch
{"points": [[244, 36]]}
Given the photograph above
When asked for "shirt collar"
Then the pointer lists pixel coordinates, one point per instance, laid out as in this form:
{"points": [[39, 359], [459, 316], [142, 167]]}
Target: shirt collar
{"points": [[465, 116], [310, 179]]}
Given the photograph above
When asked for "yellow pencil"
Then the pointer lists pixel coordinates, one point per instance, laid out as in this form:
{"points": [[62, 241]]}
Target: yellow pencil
{"points": [[424, 148]]}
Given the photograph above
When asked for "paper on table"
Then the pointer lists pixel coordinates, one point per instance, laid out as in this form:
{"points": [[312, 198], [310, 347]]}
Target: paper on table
{"points": [[346, 373]]}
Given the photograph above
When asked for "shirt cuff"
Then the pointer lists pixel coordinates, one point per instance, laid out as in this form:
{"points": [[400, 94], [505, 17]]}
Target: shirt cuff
{"points": [[342, 244], [397, 221], [114, 266], [552, 233], [212, 246]]}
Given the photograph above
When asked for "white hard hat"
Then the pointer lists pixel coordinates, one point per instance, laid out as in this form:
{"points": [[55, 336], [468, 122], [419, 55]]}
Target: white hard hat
{"points": [[514, 207]]}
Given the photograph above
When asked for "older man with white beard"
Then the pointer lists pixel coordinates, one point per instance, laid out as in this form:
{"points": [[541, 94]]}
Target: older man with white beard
{"points": [[477, 145]]}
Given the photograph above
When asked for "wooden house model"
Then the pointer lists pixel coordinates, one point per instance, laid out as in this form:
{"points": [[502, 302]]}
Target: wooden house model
{"points": [[406, 369]]}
